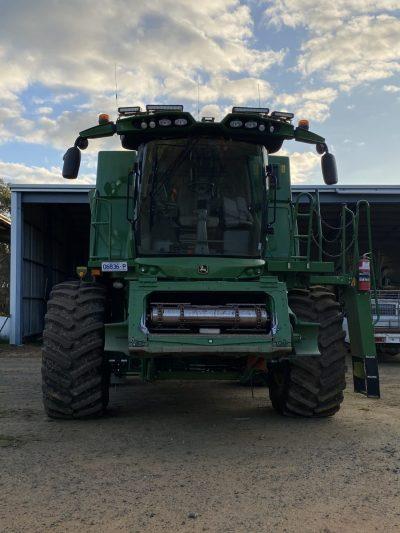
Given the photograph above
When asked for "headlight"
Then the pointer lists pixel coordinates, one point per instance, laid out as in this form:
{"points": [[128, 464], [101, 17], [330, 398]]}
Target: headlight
{"points": [[126, 111], [235, 123], [180, 122], [282, 115], [261, 127], [152, 124], [258, 110], [162, 107], [165, 122], [143, 125], [250, 124]]}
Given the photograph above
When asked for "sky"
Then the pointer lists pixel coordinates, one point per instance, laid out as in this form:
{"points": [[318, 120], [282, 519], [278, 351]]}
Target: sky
{"points": [[334, 63]]}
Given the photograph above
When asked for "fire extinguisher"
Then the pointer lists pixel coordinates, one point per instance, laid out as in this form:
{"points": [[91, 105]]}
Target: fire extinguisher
{"points": [[364, 274]]}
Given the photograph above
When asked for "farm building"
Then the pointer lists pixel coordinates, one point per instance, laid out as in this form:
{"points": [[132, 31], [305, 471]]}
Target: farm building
{"points": [[50, 238]]}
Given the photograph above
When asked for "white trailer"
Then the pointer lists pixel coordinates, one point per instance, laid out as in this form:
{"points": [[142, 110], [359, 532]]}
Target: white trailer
{"points": [[386, 316]]}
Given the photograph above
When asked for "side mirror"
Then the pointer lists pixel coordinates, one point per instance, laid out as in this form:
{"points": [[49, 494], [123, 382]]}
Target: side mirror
{"points": [[72, 161], [329, 169]]}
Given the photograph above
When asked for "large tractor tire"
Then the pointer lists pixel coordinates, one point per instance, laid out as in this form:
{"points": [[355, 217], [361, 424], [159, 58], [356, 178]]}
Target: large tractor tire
{"points": [[75, 376], [313, 386]]}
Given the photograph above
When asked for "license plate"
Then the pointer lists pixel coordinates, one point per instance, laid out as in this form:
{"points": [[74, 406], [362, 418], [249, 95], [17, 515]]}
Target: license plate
{"points": [[114, 266]]}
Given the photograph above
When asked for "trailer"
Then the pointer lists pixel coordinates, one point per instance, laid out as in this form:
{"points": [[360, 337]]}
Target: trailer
{"points": [[386, 316]]}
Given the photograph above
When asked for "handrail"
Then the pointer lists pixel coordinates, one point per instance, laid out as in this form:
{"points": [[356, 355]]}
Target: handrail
{"points": [[94, 222], [367, 206], [346, 239], [310, 215]]}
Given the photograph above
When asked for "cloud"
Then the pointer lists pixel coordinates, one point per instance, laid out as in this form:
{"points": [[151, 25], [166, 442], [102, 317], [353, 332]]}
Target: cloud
{"points": [[321, 17], [213, 110], [391, 88], [54, 99], [314, 104], [161, 49], [44, 110], [213, 37], [20, 173], [350, 42], [367, 49], [237, 91], [303, 166]]}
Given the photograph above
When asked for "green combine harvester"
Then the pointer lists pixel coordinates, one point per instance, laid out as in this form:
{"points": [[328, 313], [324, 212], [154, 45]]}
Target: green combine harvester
{"points": [[202, 266]]}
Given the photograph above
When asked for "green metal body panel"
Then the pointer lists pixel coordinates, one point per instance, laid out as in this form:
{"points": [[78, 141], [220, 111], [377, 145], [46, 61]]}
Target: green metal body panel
{"points": [[111, 236], [130, 129], [187, 268], [279, 243], [144, 343], [363, 350]]}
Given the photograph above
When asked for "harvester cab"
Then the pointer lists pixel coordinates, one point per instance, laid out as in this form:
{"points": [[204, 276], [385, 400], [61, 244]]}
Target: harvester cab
{"points": [[203, 266]]}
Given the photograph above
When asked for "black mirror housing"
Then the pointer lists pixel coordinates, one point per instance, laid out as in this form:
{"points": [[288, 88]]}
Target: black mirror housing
{"points": [[329, 169], [72, 161]]}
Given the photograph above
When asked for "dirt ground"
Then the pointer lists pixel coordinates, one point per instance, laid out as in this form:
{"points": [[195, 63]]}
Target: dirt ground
{"points": [[196, 456]]}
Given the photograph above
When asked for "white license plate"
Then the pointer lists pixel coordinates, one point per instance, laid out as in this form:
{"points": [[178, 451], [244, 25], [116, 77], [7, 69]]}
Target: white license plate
{"points": [[114, 266]]}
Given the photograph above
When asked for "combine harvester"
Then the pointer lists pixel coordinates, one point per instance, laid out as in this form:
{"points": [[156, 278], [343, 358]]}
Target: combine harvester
{"points": [[202, 267]]}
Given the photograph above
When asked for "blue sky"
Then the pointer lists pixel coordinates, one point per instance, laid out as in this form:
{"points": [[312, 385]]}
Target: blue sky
{"points": [[337, 65]]}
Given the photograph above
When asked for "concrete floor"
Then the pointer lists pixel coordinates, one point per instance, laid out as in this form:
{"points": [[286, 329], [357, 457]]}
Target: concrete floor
{"points": [[174, 456]]}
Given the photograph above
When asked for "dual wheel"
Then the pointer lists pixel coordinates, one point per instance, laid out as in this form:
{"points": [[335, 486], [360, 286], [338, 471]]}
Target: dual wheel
{"points": [[75, 375]]}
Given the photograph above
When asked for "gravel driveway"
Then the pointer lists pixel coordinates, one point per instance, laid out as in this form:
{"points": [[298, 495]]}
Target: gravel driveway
{"points": [[196, 456]]}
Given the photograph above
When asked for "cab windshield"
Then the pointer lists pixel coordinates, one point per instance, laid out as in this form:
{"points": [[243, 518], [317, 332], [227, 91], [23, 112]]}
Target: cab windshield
{"points": [[200, 197]]}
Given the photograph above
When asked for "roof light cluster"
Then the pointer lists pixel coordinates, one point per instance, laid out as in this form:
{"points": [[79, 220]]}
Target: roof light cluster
{"points": [[134, 110], [164, 122], [128, 111], [258, 110], [162, 107], [282, 115], [277, 115], [248, 124], [257, 119]]}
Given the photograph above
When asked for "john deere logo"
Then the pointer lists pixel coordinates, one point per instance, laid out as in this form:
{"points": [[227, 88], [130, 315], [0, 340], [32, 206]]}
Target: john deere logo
{"points": [[202, 269]]}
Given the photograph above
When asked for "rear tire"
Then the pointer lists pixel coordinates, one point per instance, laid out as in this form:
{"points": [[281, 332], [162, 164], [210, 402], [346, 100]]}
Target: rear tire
{"points": [[75, 376], [313, 386]]}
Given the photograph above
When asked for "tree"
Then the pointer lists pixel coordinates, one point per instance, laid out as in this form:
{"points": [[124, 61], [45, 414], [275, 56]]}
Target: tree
{"points": [[5, 198], [5, 205]]}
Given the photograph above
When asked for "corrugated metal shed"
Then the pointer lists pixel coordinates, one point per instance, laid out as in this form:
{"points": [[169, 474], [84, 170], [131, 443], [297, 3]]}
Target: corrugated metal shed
{"points": [[49, 238], [50, 226]]}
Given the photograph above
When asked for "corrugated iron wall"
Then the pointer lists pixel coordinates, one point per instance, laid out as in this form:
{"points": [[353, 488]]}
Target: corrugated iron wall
{"points": [[52, 246]]}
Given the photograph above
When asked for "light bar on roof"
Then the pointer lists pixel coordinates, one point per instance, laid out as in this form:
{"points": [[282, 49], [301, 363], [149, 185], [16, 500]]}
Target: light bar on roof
{"points": [[129, 110], [259, 110], [282, 114], [162, 107]]}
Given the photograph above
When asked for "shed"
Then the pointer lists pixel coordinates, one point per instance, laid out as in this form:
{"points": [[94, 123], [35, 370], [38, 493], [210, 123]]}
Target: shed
{"points": [[50, 238]]}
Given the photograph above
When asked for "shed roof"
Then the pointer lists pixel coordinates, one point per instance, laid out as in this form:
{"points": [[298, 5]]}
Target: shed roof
{"points": [[77, 193], [52, 193]]}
